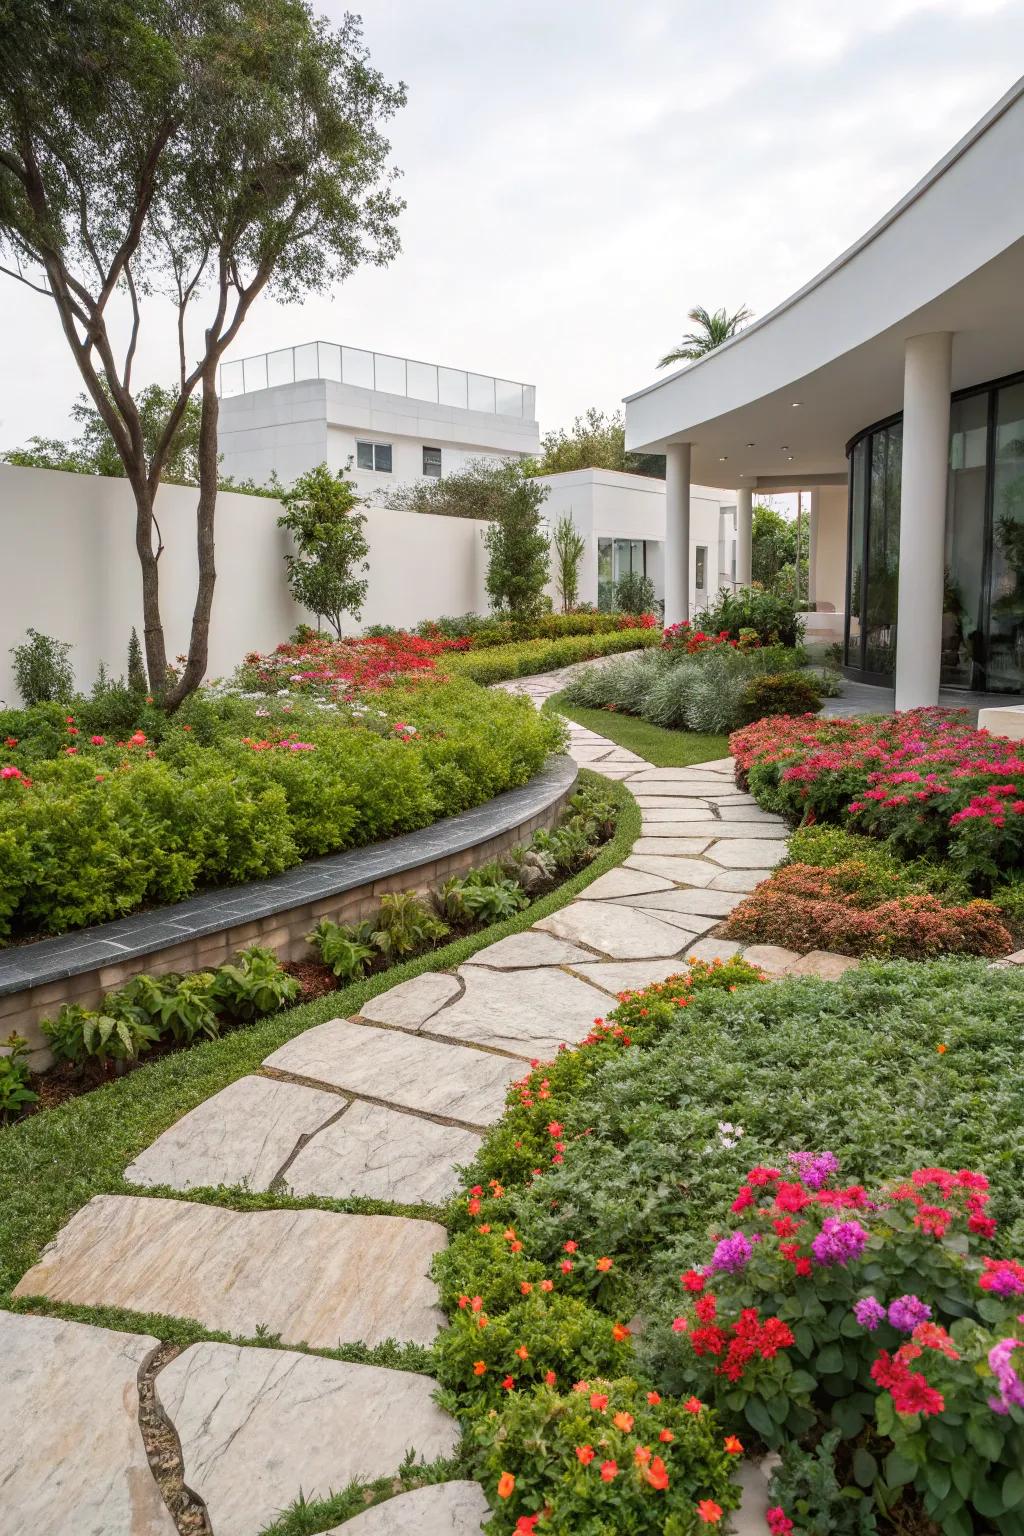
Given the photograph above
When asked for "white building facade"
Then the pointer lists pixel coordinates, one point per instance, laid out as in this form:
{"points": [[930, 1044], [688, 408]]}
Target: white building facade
{"points": [[893, 382], [389, 420]]}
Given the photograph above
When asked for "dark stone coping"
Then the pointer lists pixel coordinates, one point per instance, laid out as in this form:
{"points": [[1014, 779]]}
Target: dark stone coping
{"points": [[69, 954]]}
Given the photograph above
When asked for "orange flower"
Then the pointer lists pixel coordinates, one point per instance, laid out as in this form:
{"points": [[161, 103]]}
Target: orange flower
{"points": [[547, 1285], [942, 1049], [515, 1247], [477, 1303], [585, 1454], [570, 1246], [656, 1473], [509, 1384], [525, 1287], [479, 1367], [506, 1485], [709, 1511], [666, 1437], [609, 1471], [693, 1405], [550, 1378], [733, 1446], [604, 1265], [508, 1234], [654, 1398], [623, 1421], [566, 1266], [619, 1332], [485, 1228], [642, 1454], [523, 1352], [599, 1401]]}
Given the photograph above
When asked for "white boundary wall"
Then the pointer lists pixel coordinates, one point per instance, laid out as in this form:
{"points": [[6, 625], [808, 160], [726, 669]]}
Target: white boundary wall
{"points": [[69, 567]]}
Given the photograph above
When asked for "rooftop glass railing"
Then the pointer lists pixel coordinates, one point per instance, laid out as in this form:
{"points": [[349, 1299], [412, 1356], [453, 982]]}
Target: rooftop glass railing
{"points": [[381, 371]]}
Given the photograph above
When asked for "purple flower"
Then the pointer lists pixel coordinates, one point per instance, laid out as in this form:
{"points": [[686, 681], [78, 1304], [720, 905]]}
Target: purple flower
{"points": [[731, 1254], [1011, 1389], [869, 1313], [838, 1241], [907, 1311], [814, 1169]]}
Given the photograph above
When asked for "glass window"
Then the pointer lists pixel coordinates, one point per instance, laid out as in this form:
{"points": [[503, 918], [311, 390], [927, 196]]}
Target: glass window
{"points": [[855, 565], [432, 463], [700, 566], [1005, 672], [605, 577], [374, 456], [883, 549], [963, 622]]}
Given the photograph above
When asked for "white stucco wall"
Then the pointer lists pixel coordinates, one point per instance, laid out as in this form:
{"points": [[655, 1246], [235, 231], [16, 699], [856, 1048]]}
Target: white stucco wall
{"points": [[70, 570], [830, 565]]}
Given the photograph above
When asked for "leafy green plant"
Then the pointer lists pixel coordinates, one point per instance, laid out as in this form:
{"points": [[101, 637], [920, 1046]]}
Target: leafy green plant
{"points": [[79, 1034], [528, 656], [570, 847], [138, 682], [405, 925], [779, 693], [774, 618], [42, 669], [569, 546], [330, 545], [256, 984], [634, 593], [15, 1093], [188, 1007], [805, 1485], [483, 896], [346, 948]]}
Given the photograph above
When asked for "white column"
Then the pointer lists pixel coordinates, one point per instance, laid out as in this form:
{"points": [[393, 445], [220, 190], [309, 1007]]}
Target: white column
{"points": [[677, 532], [812, 552], [926, 387], [744, 535]]}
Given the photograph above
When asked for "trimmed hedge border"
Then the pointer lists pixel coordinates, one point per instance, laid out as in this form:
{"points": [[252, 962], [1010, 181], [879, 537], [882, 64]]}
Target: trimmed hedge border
{"points": [[278, 912]]}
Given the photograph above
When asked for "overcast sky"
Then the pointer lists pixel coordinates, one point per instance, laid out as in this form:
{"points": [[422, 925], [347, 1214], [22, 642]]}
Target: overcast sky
{"points": [[580, 173]]}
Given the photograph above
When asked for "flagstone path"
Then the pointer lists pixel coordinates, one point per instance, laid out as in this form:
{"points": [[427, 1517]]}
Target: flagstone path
{"points": [[387, 1106]]}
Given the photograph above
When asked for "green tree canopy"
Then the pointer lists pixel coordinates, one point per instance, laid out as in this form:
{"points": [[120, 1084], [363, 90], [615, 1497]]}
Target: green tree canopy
{"points": [[712, 329], [480, 489], [596, 440], [330, 545], [205, 151], [94, 452]]}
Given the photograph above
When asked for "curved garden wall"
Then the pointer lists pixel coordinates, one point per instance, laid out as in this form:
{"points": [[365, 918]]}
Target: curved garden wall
{"points": [[278, 912]]}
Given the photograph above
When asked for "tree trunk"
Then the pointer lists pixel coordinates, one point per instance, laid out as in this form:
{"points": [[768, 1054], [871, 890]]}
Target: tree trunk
{"points": [[153, 629], [199, 639]]}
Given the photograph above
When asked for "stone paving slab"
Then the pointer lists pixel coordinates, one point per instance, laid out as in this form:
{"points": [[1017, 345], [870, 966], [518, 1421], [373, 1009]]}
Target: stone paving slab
{"points": [[739, 880], [703, 902], [313, 1277], [260, 1426], [375, 1153], [72, 1460], [407, 1071], [673, 812], [679, 847], [671, 803], [772, 958], [528, 1013], [443, 1509], [746, 831], [679, 900], [243, 1135], [823, 963], [522, 950], [623, 882], [411, 1003], [632, 975], [685, 872], [751, 813], [619, 932], [691, 923], [747, 853], [665, 865]]}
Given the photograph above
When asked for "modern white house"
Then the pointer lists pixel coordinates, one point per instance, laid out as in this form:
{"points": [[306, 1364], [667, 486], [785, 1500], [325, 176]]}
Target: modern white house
{"points": [[891, 387], [392, 419]]}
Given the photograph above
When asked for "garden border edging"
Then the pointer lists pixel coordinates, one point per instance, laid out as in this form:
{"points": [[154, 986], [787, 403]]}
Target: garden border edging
{"points": [[207, 930]]}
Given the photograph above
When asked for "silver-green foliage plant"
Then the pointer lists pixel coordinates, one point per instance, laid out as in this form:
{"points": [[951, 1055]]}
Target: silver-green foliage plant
{"points": [[42, 669]]}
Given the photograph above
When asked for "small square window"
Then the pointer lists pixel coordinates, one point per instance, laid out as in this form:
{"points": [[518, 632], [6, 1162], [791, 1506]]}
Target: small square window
{"points": [[432, 463], [374, 456]]}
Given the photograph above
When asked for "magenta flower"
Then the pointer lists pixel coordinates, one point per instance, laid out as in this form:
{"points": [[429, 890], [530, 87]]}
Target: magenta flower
{"points": [[907, 1312], [1011, 1389], [869, 1312], [814, 1169], [731, 1254], [838, 1242]]}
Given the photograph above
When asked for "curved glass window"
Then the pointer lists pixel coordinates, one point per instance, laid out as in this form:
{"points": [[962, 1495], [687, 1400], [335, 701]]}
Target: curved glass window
{"points": [[983, 605]]}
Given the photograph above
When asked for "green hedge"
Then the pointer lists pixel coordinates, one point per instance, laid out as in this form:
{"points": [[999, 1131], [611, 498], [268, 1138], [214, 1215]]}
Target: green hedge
{"points": [[500, 662], [96, 834]]}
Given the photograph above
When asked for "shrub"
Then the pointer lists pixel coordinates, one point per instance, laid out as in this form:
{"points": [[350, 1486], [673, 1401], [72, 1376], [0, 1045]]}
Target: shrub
{"points": [[42, 669], [924, 780], [825, 1293], [405, 925], [256, 984], [634, 593], [345, 948], [530, 656], [847, 908], [613, 1460], [15, 1093], [482, 897], [138, 682], [779, 693], [79, 1034], [330, 545], [774, 619]]}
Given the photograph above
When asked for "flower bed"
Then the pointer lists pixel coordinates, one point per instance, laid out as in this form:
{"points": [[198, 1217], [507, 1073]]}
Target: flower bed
{"points": [[112, 805], [527, 657], [925, 781], [597, 1192]]}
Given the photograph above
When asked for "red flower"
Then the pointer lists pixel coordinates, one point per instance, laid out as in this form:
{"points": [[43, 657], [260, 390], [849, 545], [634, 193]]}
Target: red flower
{"points": [[609, 1471], [709, 1511], [733, 1447], [604, 1265], [599, 1401], [585, 1454], [655, 1473]]}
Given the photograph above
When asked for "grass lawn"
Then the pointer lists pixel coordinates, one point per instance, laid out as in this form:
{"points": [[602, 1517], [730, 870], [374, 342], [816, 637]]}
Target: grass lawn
{"points": [[53, 1162], [665, 749]]}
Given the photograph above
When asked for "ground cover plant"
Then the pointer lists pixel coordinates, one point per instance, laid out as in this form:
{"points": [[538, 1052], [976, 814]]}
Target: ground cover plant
{"points": [[701, 681], [110, 804], [523, 659], [613, 1163], [924, 781]]}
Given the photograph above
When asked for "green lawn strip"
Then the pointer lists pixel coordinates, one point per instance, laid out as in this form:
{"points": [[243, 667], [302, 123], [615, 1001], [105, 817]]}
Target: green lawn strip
{"points": [[306, 1517], [54, 1162], [528, 658], [665, 749]]}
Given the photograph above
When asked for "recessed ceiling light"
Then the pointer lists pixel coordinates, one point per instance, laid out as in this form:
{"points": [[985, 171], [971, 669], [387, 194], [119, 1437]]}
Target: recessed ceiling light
{"points": [[796, 403], [784, 448], [790, 457], [723, 458], [751, 445]]}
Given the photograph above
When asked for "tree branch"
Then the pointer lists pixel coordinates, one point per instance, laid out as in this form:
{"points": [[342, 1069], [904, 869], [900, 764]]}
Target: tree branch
{"points": [[126, 377]]}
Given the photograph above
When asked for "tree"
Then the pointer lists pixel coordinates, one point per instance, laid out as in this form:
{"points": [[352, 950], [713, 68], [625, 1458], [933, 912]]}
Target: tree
{"points": [[634, 593], [137, 679], [480, 489], [517, 545], [712, 330], [330, 545], [183, 148], [569, 546], [596, 441], [94, 451], [772, 544]]}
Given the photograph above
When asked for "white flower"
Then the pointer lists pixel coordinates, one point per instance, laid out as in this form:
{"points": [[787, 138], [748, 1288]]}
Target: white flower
{"points": [[729, 1134]]}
